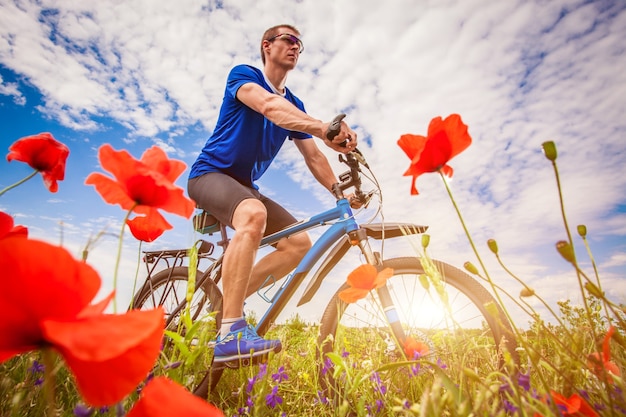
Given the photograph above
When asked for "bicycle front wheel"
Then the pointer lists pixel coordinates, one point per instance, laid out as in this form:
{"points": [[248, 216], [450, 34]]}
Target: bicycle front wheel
{"points": [[446, 319]]}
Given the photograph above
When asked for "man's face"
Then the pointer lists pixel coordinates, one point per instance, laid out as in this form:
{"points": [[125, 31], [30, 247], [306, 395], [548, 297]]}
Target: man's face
{"points": [[285, 48]]}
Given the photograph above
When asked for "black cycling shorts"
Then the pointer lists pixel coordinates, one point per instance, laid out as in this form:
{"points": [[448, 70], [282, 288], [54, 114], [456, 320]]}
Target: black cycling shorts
{"points": [[220, 194]]}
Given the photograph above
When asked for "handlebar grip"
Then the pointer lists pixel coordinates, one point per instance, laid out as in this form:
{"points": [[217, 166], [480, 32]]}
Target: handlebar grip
{"points": [[335, 126]]}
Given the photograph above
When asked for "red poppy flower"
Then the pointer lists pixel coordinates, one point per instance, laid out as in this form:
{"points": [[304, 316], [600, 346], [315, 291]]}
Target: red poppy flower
{"points": [[446, 139], [600, 363], [415, 349], [7, 228], [163, 397], [44, 302], [144, 186], [362, 280], [575, 405], [45, 154]]}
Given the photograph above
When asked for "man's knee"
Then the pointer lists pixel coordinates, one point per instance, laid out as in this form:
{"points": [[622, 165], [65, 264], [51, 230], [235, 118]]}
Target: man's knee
{"points": [[250, 217]]}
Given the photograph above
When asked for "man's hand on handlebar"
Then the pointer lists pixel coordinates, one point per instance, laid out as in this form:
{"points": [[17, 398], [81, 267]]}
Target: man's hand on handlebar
{"points": [[339, 136]]}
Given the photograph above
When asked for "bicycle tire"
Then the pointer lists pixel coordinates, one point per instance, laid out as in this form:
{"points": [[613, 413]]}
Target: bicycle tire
{"points": [[378, 346], [168, 289]]}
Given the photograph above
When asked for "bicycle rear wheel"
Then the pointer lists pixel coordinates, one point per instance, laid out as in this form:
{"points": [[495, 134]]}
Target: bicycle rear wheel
{"points": [[469, 329], [168, 289]]}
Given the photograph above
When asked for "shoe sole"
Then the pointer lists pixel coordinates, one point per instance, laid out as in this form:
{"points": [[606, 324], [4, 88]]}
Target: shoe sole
{"points": [[241, 357]]}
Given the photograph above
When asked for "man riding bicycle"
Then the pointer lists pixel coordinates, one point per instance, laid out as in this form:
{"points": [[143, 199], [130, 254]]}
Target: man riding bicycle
{"points": [[258, 114]]}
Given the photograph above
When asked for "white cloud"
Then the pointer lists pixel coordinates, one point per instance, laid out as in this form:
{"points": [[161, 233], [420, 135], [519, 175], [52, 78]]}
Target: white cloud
{"points": [[519, 73]]}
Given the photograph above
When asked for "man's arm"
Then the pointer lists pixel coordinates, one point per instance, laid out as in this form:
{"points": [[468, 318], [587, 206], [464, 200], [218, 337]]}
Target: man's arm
{"points": [[317, 162], [281, 112]]}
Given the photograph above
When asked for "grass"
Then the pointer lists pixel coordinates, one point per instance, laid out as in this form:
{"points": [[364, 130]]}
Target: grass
{"points": [[454, 382]]}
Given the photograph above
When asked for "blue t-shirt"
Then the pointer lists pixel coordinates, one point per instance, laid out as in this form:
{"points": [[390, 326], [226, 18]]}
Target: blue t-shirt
{"points": [[244, 142]]}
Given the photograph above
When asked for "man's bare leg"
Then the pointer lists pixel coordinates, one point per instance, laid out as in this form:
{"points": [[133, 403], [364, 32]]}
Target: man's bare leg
{"points": [[249, 224], [284, 259]]}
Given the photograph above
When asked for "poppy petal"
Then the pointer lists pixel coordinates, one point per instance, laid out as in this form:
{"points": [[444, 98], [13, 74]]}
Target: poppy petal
{"points": [[148, 228], [362, 277], [351, 295], [40, 281], [7, 228], [156, 158], [382, 277], [111, 191], [43, 153], [163, 397], [109, 355]]}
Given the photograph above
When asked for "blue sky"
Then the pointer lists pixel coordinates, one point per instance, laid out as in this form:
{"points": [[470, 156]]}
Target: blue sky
{"points": [[145, 72]]}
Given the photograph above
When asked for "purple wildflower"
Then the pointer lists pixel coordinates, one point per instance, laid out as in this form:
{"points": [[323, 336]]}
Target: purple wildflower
{"points": [[81, 410], [379, 405], [321, 398], [380, 387], [280, 375], [273, 399], [328, 365], [524, 381]]}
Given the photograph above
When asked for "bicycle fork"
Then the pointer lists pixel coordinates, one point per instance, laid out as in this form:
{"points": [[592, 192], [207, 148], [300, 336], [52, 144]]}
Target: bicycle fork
{"points": [[359, 238]]}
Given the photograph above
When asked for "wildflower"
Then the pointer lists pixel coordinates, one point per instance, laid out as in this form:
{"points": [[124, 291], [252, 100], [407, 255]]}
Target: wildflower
{"points": [[415, 349], [143, 186], [164, 397], [44, 303], [280, 376], [378, 383], [82, 410], [273, 399], [43, 153], [446, 139], [328, 365], [575, 405], [600, 363], [8, 229], [36, 370], [362, 280], [321, 398]]}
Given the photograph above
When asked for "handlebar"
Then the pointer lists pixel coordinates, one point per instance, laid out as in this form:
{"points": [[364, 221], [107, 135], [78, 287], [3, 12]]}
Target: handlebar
{"points": [[352, 177], [335, 127]]}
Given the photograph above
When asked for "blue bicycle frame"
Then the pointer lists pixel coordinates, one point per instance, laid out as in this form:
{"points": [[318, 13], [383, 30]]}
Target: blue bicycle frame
{"points": [[344, 225]]}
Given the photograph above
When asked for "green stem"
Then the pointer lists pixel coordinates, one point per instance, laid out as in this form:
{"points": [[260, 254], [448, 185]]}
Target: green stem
{"points": [[48, 381], [19, 182], [119, 257], [132, 300], [480, 261], [575, 262]]}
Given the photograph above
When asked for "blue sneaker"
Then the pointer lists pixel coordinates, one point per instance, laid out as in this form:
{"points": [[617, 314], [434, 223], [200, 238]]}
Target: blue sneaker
{"points": [[242, 342]]}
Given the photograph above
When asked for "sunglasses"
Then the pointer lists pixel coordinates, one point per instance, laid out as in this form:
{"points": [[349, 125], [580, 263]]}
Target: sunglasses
{"points": [[288, 38]]}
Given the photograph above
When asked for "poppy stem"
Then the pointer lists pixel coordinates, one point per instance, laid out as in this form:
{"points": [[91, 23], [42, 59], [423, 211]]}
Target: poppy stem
{"points": [[119, 257], [19, 182], [480, 261], [49, 381]]}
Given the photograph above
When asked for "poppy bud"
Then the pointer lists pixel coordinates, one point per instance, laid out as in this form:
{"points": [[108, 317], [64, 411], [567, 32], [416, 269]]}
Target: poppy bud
{"points": [[566, 251], [493, 246], [425, 240], [594, 290], [527, 292], [471, 268], [549, 150], [582, 230]]}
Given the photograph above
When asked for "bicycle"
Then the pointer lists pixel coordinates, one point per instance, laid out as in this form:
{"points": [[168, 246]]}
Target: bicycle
{"points": [[383, 321]]}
